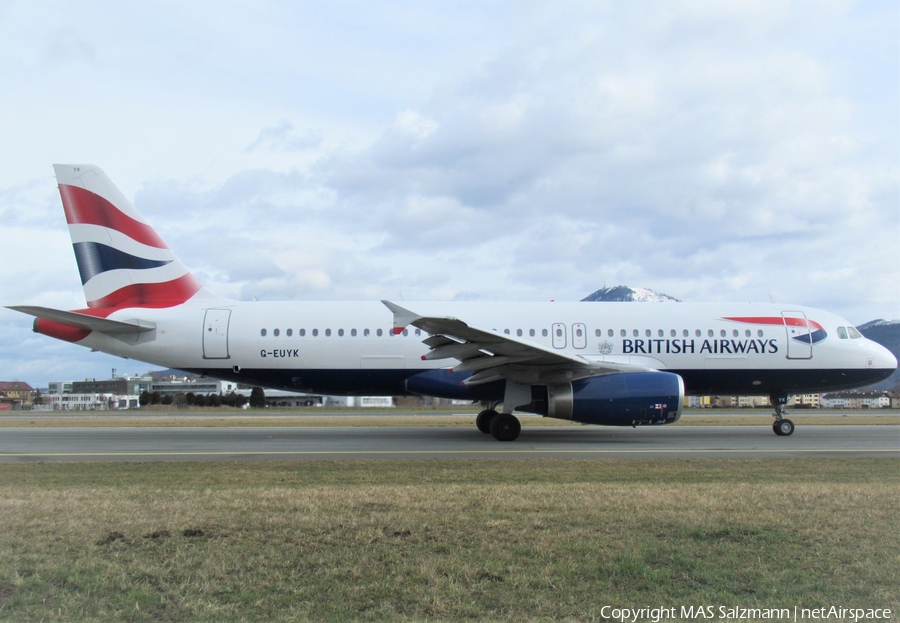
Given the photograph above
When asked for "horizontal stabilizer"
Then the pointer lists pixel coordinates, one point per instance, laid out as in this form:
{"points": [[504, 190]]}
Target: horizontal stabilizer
{"points": [[83, 321]]}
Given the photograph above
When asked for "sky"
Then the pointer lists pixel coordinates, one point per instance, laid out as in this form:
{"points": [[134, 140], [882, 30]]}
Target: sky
{"points": [[474, 150]]}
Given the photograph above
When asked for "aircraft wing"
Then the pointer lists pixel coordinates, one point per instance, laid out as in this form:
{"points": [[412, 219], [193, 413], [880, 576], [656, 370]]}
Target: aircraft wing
{"points": [[491, 355], [83, 321]]}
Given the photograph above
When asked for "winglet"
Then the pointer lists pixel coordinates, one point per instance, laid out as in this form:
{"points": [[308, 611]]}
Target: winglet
{"points": [[402, 317]]}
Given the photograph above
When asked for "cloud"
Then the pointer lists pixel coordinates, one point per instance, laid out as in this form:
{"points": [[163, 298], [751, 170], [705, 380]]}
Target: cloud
{"points": [[66, 46], [282, 137], [712, 151]]}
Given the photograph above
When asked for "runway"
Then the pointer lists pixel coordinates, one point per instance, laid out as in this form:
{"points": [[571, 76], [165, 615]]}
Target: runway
{"points": [[238, 443]]}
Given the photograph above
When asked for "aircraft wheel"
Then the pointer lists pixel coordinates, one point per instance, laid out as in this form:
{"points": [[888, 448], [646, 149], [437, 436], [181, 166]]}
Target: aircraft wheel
{"points": [[505, 427], [783, 428], [483, 421]]}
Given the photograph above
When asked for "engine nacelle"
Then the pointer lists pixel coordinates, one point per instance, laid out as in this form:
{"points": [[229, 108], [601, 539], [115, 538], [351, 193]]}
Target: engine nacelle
{"points": [[621, 399]]}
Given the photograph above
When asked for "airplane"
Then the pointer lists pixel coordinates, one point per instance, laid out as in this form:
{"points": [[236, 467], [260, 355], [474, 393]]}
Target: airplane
{"points": [[616, 364]]}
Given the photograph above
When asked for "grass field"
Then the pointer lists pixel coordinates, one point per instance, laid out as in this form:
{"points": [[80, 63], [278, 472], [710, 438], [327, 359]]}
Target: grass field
{"points": [[442, 540]]}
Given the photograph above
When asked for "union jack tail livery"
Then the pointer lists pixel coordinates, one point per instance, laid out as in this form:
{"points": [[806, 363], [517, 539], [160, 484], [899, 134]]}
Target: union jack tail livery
{"points": [[122, 261]]}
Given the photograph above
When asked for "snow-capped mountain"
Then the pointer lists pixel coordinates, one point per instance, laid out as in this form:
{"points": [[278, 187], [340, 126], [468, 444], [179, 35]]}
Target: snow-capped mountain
{"points": [[628, 294]]}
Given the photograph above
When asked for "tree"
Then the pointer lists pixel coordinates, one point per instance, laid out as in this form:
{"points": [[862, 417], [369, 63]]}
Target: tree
{"points": [[257, 398], [235, 400]]}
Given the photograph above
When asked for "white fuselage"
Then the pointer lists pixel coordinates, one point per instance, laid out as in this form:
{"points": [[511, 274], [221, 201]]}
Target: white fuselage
{"points": [[322, 347]]}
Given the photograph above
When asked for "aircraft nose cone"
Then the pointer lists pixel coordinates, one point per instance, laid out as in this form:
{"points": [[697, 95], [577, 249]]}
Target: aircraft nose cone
{"points": [[882, 358]]}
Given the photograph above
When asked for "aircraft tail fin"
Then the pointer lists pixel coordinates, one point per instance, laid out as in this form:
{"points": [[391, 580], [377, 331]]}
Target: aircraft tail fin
{"points": [[123, 262]]}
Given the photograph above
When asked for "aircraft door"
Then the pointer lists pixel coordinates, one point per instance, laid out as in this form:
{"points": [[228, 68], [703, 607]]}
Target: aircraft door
{"points": [[559, 335], [799, 335], [215, 333], [579, 335]]}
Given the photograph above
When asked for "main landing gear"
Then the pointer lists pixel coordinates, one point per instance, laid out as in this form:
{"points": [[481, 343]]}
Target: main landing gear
{"points": [[501, 426], [782, 426]]}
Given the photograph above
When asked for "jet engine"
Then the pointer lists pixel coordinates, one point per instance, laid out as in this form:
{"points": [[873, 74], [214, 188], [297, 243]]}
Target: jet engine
{"points": [[621, 399]]}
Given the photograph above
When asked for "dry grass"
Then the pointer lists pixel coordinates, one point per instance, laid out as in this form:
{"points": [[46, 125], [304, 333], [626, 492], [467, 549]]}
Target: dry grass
{"points": [[442, 540]]}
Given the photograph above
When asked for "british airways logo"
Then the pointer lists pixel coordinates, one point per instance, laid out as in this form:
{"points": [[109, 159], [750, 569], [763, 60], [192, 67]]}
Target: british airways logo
{"points": [[800, 329]]}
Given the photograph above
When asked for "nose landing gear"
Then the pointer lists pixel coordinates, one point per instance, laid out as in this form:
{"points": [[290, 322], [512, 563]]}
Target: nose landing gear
{"points": [[782, 426]]}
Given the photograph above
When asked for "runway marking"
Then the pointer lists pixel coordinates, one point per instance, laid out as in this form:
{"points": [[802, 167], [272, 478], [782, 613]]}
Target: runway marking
{"points": [[399, 452]]}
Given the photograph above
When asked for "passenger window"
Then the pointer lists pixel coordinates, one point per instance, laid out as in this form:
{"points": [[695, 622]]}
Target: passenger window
{"points": [[610, 333], [327, 332], [759, 333], [722, 332], [418, 331], [405, 332], [854, 334], [579, 332], [315, 333], [559, 333], [302, 332], [673, 333], [697, 332], [290, 332], [622, 332], [660, 332], [352, 332], [647, 332], [544, 332], [842, 333], [276, 332], [519, 332], [710, 332], [340, 333], [366, 332], [735, 333], [531, 332], [635, 332], [262, 332], [747, 333], [598, 332], [685, 332], [379, 333]]}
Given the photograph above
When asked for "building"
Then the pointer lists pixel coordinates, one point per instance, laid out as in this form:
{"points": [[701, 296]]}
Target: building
{"points": [[88, 402], [17, 392], [857, 400], [123, 385], [192, 386], [281, 398], [806, 401], [359, 401], [60, 387]]}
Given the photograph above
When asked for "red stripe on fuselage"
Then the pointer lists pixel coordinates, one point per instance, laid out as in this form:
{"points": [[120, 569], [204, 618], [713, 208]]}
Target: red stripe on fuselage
{"points": [[85, 207], [777, 320]]}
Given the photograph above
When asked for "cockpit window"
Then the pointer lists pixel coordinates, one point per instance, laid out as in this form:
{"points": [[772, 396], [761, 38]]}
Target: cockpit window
{"points": [[854, 334], [842, 333]]}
